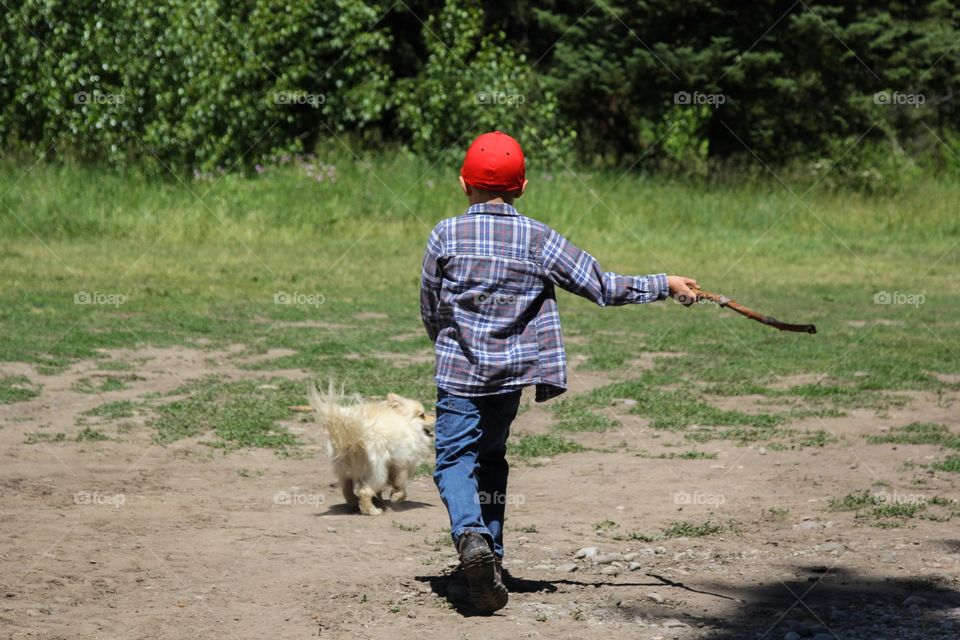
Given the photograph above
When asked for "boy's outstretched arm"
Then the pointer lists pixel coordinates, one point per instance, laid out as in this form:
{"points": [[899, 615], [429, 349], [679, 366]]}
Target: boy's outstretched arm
{"points": [[430, 281], [576, 271]]}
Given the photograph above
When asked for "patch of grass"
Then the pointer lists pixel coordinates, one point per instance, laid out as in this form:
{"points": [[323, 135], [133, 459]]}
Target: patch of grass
{"points": [[116, 365], [17, 389], [113, 410], [950, 463], [605, 525], [544, 445], [43, 436], [689, 455], [530, 528], [685, 529], [103, 384], [892, 509], [424, 469], [91, 435], [241, 414], [919, 433], [406, 527], [251, 473], [573, 418]]}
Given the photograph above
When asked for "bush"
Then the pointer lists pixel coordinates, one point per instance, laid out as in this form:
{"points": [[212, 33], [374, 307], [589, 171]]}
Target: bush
{"points": [[472, 83], [186, 84]]}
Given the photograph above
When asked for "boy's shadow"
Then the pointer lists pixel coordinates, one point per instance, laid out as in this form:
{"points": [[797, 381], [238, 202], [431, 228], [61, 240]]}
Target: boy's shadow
{"points": [[453, 587]]}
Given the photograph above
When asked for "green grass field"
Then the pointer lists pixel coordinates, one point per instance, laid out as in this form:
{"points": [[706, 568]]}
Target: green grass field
{"points": [[93, 260]]}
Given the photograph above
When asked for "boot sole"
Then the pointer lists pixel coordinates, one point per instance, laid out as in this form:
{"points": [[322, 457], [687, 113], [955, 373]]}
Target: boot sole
{"points": [[486, 592]]}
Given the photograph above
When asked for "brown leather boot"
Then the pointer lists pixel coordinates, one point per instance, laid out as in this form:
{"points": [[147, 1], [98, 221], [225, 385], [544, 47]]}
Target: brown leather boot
{"points": [[483, 572]]}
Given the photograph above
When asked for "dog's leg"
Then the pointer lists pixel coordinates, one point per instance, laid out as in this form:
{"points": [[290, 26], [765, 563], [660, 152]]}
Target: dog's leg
{"points": [[346, 486], [398, 480], [365, 495]]}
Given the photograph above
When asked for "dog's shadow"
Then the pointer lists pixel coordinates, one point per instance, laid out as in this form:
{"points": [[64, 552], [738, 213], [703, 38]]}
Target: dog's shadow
{"points": [[344, 509]]}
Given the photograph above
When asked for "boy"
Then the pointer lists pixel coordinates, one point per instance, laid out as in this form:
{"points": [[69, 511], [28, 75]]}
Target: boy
{"points": [[488, 302]]}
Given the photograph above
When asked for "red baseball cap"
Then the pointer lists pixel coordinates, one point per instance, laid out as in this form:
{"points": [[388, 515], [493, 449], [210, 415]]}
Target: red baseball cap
{"points": [[494, 162]]}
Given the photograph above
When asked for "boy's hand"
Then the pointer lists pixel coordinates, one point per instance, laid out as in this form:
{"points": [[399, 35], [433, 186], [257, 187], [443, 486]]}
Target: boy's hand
{"points": [[680, 289]]}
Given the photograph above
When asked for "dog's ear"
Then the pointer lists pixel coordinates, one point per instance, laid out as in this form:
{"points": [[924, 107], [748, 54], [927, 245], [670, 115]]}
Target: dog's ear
{"points": [[394, 401]]}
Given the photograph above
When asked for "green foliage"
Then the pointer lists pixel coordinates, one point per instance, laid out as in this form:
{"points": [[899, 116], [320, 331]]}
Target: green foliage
{"points": [[473, 82], [242, 414], [17, 389], [919, 433], [186, 84], [542, 445], [685, 529], [212, 85]]}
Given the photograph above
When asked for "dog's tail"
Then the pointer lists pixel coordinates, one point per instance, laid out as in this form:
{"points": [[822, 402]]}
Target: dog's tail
{"points": [[343, 424]]}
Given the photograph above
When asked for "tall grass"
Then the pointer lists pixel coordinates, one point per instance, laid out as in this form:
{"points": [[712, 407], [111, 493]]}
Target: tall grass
{"points": [[284, 203]]}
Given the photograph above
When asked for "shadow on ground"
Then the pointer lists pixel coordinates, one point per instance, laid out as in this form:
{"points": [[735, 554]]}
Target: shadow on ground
{"points": [[836, 602]]}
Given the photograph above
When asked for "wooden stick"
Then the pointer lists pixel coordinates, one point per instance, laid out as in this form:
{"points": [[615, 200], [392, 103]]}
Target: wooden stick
{"points": [[770, 321]]}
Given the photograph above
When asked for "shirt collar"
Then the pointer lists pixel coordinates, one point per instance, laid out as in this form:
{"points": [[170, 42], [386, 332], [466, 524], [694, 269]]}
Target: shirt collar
{"points": [[495, 209]]}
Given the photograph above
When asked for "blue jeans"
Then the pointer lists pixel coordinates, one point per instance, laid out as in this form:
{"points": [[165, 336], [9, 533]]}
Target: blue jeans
{"points": [[471, 471]]}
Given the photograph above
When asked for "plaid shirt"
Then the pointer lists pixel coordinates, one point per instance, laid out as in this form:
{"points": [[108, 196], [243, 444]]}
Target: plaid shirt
{"points": [[488, 300]]}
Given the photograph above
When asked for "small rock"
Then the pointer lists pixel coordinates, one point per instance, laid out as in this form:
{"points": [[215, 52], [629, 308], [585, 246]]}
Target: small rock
{"points": [[543, 567], [412, 614], [331, 530], [673, 623], [808, 524], [453, 563], [830, 547], [627, 402], [610, 571], [633, 566], [914, 601], [607, 558], [656, 597], [659, 550], [568, 567], [630, 556], [587, 552]]}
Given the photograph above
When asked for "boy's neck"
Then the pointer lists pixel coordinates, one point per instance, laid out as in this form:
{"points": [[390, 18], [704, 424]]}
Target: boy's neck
{"points": [[476, 198]]}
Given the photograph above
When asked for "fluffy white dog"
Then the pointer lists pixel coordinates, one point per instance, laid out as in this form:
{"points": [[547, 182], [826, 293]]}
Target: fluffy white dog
{"points": [[373, 445]]}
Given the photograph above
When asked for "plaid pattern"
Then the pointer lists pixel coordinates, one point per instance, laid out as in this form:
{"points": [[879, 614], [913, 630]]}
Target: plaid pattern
{"points": [[488, 300]]}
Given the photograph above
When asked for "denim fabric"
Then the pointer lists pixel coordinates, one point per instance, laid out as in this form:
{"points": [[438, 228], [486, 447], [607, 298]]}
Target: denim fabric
{"points": [[471, 471]]}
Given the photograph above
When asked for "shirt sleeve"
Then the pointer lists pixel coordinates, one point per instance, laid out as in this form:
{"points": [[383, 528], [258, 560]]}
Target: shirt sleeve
{"points": [[578, 272], [430, 281]]}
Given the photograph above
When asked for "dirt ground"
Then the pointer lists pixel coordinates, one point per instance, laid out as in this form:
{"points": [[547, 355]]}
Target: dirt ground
{"points": [[129, 539]]}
